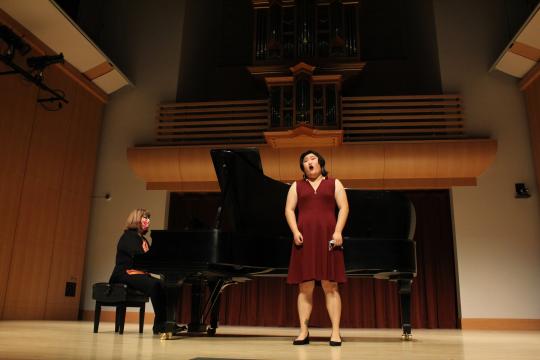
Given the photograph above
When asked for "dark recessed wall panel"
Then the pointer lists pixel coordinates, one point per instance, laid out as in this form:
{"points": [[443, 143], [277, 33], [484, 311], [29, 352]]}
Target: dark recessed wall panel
{"points": [[397, 39]]}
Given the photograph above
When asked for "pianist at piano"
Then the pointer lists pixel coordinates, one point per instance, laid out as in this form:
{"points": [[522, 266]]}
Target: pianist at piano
{"points": [[317, 253], [133, 242]]}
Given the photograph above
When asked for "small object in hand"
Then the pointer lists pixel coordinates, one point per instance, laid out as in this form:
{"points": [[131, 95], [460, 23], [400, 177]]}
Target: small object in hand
{"points": [[332, 244]]}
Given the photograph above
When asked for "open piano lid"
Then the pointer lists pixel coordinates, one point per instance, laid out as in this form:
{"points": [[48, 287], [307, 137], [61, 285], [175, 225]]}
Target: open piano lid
{"points": [[251, 201]]}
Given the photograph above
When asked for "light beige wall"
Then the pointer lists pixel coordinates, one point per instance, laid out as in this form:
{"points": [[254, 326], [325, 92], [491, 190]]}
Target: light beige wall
{"points": [[145, 42], [497, 237]]}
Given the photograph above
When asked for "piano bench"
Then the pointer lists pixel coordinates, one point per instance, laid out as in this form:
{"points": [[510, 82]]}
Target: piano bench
{"points": [[121, 297]]}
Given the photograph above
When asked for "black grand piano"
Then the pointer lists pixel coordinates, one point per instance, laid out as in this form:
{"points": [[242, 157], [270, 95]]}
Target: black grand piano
{"points": [[251, 238]]}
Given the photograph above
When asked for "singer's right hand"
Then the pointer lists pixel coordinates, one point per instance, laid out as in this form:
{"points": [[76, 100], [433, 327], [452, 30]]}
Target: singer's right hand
{"points": [[298, 238]]}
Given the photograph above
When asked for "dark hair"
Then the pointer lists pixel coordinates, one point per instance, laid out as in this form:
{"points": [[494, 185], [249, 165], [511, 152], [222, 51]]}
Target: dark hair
{"points": [[320, 158]]}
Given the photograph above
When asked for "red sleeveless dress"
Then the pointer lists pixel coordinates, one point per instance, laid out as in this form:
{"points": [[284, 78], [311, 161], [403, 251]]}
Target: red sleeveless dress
{"points": [[317, 222]]}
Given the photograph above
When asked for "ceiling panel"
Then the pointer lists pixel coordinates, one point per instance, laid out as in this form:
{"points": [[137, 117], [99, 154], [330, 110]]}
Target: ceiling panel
{"points": [[49, 23]]}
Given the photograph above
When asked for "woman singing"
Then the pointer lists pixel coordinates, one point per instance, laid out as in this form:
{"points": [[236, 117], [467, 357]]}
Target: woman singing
{"points": [[317, 253]]}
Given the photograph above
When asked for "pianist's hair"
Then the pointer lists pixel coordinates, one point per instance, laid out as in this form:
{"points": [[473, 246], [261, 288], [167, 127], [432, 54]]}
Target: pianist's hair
{"points": [[320, 158], [134, 218]]}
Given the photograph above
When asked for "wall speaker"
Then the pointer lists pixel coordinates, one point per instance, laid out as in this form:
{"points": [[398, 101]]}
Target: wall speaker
{"points": [[522, 191]]}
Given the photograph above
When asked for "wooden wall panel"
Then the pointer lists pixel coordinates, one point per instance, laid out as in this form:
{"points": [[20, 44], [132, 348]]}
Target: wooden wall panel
{"points": [[32, 252], [17, 108], [161, 163], [289, 168], [85, 127], [409, 161], [67, 256], [47, 176], [364, 162], [450, 158], [34, 238], [436, 164], [268, 158], [74, 209], [532, 100], [201, 167]]}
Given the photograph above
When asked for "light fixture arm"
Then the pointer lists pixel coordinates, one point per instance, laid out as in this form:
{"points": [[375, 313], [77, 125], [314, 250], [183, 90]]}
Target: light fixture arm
{"points": [[35, 80]]}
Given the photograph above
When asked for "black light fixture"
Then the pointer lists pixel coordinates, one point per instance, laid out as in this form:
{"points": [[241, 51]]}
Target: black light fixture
{"points": [[39, 63], [36, 64], [14, 42]]}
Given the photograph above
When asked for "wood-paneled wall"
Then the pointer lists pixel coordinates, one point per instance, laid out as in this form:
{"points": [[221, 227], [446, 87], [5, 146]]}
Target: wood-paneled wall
{"points": [[45, 186], [530, 85], [17, 101]]}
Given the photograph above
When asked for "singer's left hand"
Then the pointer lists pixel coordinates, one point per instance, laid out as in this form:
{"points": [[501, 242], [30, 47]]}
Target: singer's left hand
{"points": [[338, 239]]}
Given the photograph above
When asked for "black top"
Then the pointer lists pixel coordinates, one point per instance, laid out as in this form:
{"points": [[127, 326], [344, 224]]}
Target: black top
{"points": [[129, 245]]}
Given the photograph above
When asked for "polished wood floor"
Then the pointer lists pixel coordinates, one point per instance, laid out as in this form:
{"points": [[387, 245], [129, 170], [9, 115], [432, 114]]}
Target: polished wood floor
{"points": [[75, 340]]}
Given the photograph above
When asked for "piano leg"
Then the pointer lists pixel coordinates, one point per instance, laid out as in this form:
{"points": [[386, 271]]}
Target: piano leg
{"points": [[214, 301], [405, 300], [199, 313], [197, 324], [171, 283]]}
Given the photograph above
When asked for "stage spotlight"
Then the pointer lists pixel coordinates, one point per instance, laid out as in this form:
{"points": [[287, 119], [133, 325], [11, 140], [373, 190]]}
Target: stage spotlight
{"points": [[37, 64], [41, 62], [13, 41]]}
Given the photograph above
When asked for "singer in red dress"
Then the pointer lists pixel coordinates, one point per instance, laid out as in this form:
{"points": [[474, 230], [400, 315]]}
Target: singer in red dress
{"points": [[317, 253]]}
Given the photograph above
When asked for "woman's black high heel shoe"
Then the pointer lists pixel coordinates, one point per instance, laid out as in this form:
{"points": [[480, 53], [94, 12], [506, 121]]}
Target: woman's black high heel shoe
{"points": [[335, 343], [304, 341]]}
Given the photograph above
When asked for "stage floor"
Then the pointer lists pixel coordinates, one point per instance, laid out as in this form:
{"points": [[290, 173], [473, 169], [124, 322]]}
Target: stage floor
{"points": [[75, 340]]}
